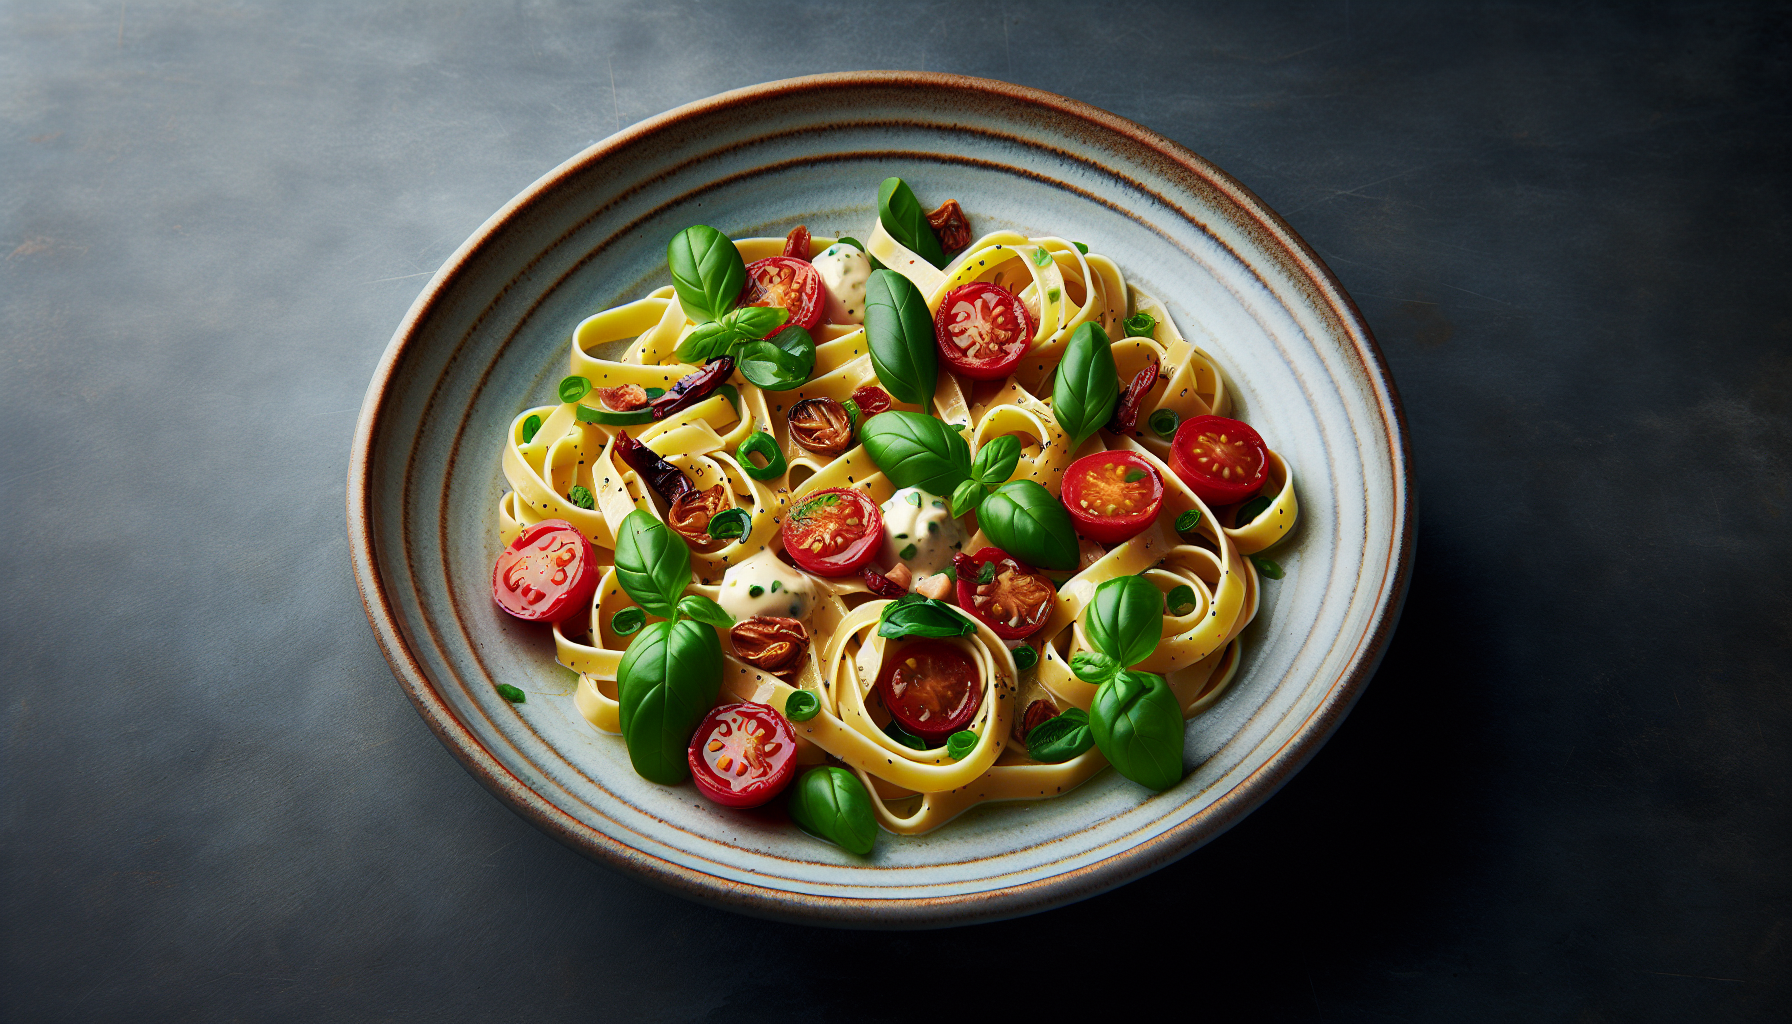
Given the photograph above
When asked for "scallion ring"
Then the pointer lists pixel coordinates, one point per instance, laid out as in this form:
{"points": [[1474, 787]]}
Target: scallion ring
{"points": [[1164, 423], [853, 412], [531, 427], [1187, 521], [730, 523], [766, 446], [628, 621], [801, 706], [1140, 325], [960, 744], [574, 388], [1025, 657], [1181, 600]]}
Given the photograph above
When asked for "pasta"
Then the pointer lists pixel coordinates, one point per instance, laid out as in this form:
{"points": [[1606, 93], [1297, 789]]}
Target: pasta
{"points": [[578, 462]]}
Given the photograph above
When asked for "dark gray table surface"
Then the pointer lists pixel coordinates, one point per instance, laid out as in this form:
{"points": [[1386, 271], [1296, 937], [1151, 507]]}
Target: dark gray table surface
{"points": [[1563, 796]]}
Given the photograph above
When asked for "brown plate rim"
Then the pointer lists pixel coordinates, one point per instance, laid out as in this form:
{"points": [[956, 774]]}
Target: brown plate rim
{"points": [[902, 912]]}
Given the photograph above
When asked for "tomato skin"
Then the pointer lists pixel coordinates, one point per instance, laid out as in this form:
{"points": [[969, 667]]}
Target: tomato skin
{"points": [[872, 400], [769, 763], [789, 282], [1012, 329], [1247, 457], [962, 688], [863, 540], [797, 244], [1079, 486], [967, 566], [553, 559]]}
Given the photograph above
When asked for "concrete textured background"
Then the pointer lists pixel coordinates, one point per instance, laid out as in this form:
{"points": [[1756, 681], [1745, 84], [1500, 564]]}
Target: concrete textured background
{"points": [[1563, 797]]}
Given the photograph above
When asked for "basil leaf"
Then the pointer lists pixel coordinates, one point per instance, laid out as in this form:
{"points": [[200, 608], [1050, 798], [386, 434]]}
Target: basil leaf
{"points": [[1093, 667], [1023, 519], [922, 616], [757, 321], [831, 803], [574, 388], [1125, 619], [707, 272], [917, 451], [996, 460], [1025, 657], [1087, 388], [531, 427], [1138, 726], [966, 497], [780, 364], [906, 222], [653, 564], [709, 341], [908, 739], [696, 606], [1059, 739], [1267, 567], [666, 683], [899, 333]]}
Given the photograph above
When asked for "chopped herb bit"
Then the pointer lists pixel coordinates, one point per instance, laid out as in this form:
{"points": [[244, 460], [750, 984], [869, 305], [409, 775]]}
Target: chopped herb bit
{"points": [[1025, 657], [581, 496], [1042, 258], [937, 503], [574, 388], [1052, 296], [1188, 520], [808, 508], [1140, 325], [776, 584], [653, 393], [902, 536], [933, 527], [755, 591], [531, 427], [907, 552], [1267, 567], [1134, 476], [1080, 247], [511, 693], [987, 574], [627, 621]]}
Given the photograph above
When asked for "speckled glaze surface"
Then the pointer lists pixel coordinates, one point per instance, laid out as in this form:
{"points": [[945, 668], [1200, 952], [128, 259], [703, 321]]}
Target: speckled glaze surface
{"points": [[488, 336]]}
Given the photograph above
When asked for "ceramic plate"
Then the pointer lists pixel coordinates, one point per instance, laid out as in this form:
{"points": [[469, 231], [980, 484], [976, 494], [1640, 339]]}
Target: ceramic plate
{"points": [[489, 335]]}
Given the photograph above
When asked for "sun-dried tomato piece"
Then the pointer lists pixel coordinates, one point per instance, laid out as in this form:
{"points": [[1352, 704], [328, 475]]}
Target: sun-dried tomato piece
{"points": [[822, 426], [623, 398], [881, 585], [772, 643], [1126, 414], [689, 516], [693, 387], [797, 244], [872, 400], [951, 225], [1038, 712], [665, 478]]}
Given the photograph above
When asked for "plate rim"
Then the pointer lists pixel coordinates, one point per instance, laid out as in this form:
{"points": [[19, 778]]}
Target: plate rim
{"points": [[898, 912]]}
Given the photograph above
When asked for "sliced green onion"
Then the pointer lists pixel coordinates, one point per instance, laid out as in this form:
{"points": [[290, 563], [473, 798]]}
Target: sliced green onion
{"points": [[1181, 600], [1164, 423], [1187, 521], [1042, 258], [907, 552], [853, 412], [775, 585], [511, 693], [628, 621], [801, 706], [766, 446], [730, 523], [612, 418], [1140, 325], [531, 427], [1267, 567], [581, 496], [960, 744], [653, 393], [1250, 510], [1025, 657], [574, 388], [1080, 247]]}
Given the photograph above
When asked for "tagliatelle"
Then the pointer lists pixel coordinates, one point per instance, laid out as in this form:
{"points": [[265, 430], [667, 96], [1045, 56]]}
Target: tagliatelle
{"points": [[550, 452]]}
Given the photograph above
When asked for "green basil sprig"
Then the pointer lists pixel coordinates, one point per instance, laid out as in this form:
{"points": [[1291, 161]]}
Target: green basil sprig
{"points": [[737, 328], [917, 451], [1059, 739], [781, 363], [899, 333], [913, 615], [696, 606], [1137, 723], [966, 497], [1125, 619], [1023, 519], [667, 681], [1087, 388], [831, 803], [996, 460], [707, 272], [653, 564], [1093, 667], [906, 221]]}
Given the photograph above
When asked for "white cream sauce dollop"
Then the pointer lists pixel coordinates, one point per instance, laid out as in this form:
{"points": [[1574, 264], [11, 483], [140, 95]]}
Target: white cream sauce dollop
{"points": [[764, 585], [844, 270], [920, 532]]}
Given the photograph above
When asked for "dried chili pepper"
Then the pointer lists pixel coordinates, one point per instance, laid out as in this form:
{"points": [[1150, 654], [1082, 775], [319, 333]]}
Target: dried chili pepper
{"points": [[1126, 414], [693, 387], [666, 479]]}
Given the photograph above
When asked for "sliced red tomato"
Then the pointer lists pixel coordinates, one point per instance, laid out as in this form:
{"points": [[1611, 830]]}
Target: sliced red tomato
{"points": [[789, 282], [1014, 603], [833, 532], [982, 330], [1112, 495], [1222, 460], [931, 688], [548, 573], [742, 755]]}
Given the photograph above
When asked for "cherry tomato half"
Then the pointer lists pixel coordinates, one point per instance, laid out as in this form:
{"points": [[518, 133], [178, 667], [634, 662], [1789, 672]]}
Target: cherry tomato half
{"points": [[931, 688], [548, 573], [1221, 460], [1112, 495], [833, 532], [789, 282], [1014, 603], [872, 400], [742, 755], [982, 330]]}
